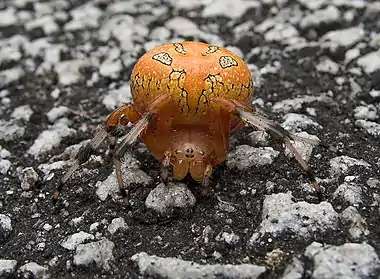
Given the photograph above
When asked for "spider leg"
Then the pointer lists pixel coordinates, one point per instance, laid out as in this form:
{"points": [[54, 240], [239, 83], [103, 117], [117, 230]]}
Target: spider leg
{"points": [[82, 156], [206, 180], [132, 136], [119, 117], [120, 150], [165, 169], [281, 135]]}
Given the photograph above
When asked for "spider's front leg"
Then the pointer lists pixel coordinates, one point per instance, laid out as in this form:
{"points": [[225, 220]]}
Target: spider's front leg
{"points": [[282, 136], [117, 123], [118, 118], [155, 107]]}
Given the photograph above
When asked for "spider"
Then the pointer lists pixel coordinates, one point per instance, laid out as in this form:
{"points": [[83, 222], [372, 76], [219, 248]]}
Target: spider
{"points": [[188, 99]]}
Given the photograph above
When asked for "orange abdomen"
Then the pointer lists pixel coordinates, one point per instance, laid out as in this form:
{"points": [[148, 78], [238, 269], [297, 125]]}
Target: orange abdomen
{"points": [[192, 73]]}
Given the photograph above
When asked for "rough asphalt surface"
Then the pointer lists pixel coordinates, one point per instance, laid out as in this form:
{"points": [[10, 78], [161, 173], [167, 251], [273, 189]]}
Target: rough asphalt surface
{"points": [[65, 65]]}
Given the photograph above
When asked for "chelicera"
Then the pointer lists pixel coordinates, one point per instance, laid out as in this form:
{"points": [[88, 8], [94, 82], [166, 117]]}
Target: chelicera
{"points": [[188, 99]]}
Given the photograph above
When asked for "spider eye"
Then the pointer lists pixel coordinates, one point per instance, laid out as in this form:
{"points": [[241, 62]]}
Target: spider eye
{"points": [[202, 152]]}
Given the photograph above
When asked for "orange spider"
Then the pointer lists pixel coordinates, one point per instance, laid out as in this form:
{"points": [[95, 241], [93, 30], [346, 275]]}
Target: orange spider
{"points": [[188, 98]]}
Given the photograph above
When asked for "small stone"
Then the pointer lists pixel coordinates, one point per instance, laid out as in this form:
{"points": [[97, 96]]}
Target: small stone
{"points": [[68, 71], [272, 68], [231, 9], [351, 55], [370, 62], [10, 76], [355, 87], [375, 40], [349, 192], [5, 165], [357, 226], [5, 227], [185, 4], [217, 255], [183, 27], [226, 206], [341, 165], [54, 261], [99, 252], [122, 7], [259, 138], [75, 239], [94, 226], [281, 32], [117, 224], [160, 33], [325, 16], [36, 48], [28, 178], [371, 127], [149, 45], [373, 10], [366, 112], [245, 156], [76, 221], [23, 15], [294, 270], [164, 199], [9, 51], [374, 93], [48, 168], [43, 9], [343, 37], [22, 112], [295, 104], [111, 68], [207, 233], [55, 93], [85, 16], [229, 238], [328, 66], [8, 17], [7, 267], [38, 271], [41, 246], [350, 260], [47, 227], [275, 258], [46, 23], [122, 28], [281, 215], [4, 93], [172, 268], [57, 112], [117, 97], [50, 138], [304, 145], [295, 122], [4, 153], [131, 174], [313, 5], [373, 183], [246, 260], [354, 4]]}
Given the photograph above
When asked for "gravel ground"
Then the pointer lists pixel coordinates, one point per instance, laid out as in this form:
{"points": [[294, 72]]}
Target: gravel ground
{"points": [[65, 64]]}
